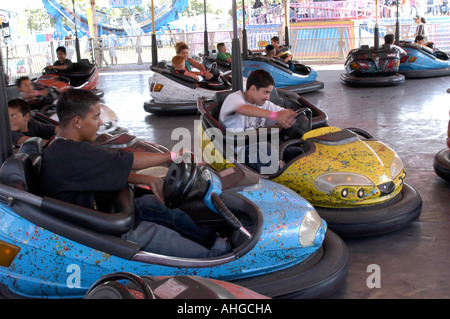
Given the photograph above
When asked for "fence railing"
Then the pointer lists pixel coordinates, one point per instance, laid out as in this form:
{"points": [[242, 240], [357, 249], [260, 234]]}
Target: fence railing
{"points": [[307, 44]]}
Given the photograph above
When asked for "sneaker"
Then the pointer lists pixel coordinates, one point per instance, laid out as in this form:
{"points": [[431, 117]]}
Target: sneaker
{"points": [[222, 245]]}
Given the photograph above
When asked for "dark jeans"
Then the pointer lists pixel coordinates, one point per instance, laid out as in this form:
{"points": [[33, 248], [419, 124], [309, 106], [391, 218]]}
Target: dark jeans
{"points": [[290, 153], [149, 208]]}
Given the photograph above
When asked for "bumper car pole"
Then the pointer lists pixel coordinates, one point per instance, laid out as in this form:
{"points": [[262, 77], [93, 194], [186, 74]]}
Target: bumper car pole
{"points": [[397, 28], [205, 34], [286, 22], [154, 45], [5, 133], [375, 33], [244, 33], [236, 64]]}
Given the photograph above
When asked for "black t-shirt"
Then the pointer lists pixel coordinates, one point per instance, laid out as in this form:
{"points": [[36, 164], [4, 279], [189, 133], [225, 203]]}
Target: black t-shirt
{"points": [[66, 62], [72, 171], [42, 130]]}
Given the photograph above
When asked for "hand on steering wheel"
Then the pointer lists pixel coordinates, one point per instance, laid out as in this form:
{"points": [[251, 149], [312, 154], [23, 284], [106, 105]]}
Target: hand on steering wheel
{"points": [[213, 67], [179, 180], [303, 123]]}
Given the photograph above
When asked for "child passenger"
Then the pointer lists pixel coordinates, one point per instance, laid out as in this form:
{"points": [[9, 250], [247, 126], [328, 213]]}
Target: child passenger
{"points": [[179, 66], [223, 55], [22, 127]]}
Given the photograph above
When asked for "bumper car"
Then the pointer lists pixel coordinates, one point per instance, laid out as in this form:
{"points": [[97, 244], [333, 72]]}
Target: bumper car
{"points": [[209, 60], [47, 113], [281, 247], [442, 159], [175, 94], [303, 79], [370, 67], [177, 287], [423, 62], [356, 184], [84, 75]]}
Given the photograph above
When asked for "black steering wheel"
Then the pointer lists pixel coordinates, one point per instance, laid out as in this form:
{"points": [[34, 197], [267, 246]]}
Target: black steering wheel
{"points": [[179, 180], [49, 71], [302, 124], [108, 287], [213, 67]]}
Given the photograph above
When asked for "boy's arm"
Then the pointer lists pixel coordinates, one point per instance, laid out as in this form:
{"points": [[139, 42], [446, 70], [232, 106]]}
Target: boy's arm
{"points": [[285, 117], [155, 183]]}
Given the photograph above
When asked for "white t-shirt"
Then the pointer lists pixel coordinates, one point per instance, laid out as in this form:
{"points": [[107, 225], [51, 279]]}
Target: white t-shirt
{"points": [[231, 120], [112, 40]]}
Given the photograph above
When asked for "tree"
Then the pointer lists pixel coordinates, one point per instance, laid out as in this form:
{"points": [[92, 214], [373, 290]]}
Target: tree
{"points": [[37, 19], [196, 7]]}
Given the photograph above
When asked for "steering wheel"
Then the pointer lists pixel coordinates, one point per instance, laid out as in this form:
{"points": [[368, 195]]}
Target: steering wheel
{"points": [[108, 287], [302, 124], [178, 181], [49, 71], [213, 67], [224, 79]]}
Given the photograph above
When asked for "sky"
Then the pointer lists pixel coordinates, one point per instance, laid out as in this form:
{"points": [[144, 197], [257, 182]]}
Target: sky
{"points": [[19, 5]]}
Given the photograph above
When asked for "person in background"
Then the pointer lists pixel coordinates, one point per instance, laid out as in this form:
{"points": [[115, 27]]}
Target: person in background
{"points": [[389, 39], [112, 45], [420, 42], [270, 52], [223, 55], [37, 98], [23, 127], [182, 49], [62, 64], [179, 66]]}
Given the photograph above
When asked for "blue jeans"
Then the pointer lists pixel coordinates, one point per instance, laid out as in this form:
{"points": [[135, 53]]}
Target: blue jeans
{"points": [[149, 208]]}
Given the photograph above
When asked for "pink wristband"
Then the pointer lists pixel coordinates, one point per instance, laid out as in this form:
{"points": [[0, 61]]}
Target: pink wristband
{"points": [[173, 156], [273, 115], [36, 93], [201, 73]]}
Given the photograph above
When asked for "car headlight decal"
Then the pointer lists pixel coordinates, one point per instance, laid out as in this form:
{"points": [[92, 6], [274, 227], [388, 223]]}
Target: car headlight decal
{"points": [[328, 181], [308, 228], [396, 167]]}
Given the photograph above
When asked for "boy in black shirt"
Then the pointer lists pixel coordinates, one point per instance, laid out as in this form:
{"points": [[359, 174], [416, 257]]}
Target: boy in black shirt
{"points": [[22, 127], [62, 64], [73, 170]]}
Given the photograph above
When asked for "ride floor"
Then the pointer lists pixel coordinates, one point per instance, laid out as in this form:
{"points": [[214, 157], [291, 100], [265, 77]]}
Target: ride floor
{"points": [[412, 118]]}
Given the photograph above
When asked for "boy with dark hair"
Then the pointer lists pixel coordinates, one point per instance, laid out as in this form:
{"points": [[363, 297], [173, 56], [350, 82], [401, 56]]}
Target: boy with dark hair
{"points": [[22, 127], [73, 170], [389, 39], [252, 109], [223, 55], [62, 64], [37, 98]]}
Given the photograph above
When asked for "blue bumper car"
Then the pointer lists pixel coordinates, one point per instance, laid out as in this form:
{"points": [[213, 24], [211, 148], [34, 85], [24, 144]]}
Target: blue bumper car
{"points": [[441, 161], [369, 67], [51, 249], [301, 79], [423, 62]]}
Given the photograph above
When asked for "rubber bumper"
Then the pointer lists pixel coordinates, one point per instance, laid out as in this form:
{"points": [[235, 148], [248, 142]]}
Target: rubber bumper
{"points": [[305, 88], [189, 108], [425, 73], [373, 220], [375, 81], [318, 276], [442, 164]]}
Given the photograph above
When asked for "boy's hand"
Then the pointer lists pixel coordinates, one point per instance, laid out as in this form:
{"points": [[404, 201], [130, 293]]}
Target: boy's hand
{"points": [[286, 118], [208, 75], [156, 185]]}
